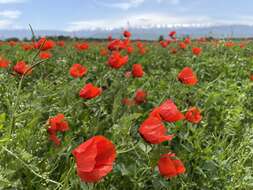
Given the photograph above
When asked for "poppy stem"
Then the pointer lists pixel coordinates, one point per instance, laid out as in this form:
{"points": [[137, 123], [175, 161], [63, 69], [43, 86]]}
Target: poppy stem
{"points": [[18, 95], [29, 167]]}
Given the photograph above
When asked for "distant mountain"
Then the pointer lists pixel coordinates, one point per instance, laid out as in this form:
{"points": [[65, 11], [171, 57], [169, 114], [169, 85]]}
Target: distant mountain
{"points": [[236, 31]]}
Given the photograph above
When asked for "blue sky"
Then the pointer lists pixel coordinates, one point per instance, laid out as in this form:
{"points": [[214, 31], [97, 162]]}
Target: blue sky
{"points": [[108, 14]]}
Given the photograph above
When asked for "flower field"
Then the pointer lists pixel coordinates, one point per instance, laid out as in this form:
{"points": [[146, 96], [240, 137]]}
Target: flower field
{"points": [[121, 114]]}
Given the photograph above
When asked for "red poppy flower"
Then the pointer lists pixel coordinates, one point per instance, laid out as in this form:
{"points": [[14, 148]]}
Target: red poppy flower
{"points": [[140, 96], [116, 60], [103, 52], [126, 42], [155, 113], [169, 166], [187, 40], [4, 63], [77, 70], [22, 68], [169, 112], [127, 102], [12, 43], [164, 44], [94, 158], [61, 43], [186, 76], [82, 46], [242, 45], [196, 51], [229, 44], [89, 91], [57, 124], [43, 44], [45, 55], [172, 34], [182, 45], [127, 34], [193, 115], [109, 38], [129, 49], [142, 51], [251, 77], [137, 71], [27, 47], [153, 131], [173, 50], [201, 39], [116, 45], [140, 45]]}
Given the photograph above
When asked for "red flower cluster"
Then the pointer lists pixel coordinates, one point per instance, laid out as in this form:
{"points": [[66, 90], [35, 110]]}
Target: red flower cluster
{"points": [[141, 48], [77, 70], [43, 44], [169, 166], [12, 43], [82, 46], [116, 45], [94, 158], [57, 124], [154, 132], [164, 44], [27, 47], [116, 60], [229, 44], [152, 129]]}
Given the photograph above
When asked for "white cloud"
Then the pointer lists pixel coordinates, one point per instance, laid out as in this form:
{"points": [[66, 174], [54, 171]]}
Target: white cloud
{"points": [[8, 18], [5, 24], [121, 4], [11, 1], [150, 20], [141, 21], [127, 4], [10, 14], [175, 2]]}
